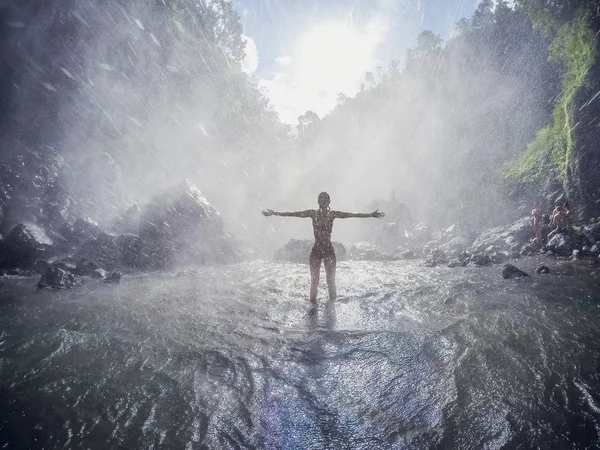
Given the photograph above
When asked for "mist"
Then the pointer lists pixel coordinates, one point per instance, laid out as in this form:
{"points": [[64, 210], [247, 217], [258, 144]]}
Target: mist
{"points": [[132, 98]]}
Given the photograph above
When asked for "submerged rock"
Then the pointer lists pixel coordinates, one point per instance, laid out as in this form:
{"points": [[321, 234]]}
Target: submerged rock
{"points": [[510, 271], [298, 251], [57, 278]]}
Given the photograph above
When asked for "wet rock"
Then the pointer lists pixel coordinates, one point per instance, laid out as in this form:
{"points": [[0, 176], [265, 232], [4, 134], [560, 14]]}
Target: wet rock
{"points": [[421, 233], [57, 278], [592, 231], [406, 254], [129, 221], [181, 227], [103, 249], [595, 249], [298, 251], [99, 274], [563, 244], [529, 249], [456, 262], [24, 245], [510, 271], [435, 258], [576, 254], [113, 277], [498, 257], [455, 246], [480, 260], [85, 267], [131, 251], [461, 231], [84, 229], [506, 238], [364, 251], [543, 270]]}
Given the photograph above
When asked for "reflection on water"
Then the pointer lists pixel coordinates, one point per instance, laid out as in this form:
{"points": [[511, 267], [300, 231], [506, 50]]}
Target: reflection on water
{"points": [[237, 357], [326, 321]]}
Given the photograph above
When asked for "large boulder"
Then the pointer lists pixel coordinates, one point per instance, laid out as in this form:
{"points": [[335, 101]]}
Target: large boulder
{"points": [[24, 245], [298, 251], [505, 238], [181, 227]]}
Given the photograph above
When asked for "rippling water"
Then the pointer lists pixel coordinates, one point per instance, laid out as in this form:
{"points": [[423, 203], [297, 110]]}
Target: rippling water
{"points": [[235, 357]]}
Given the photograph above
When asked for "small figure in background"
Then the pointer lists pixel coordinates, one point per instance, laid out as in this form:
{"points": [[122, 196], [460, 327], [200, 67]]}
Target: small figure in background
{"points": [[561, 219], [537, 222]]}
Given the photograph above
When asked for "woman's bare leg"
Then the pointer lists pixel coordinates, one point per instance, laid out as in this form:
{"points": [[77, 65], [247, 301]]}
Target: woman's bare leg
{"points": [[315, 269], [330, 274]]}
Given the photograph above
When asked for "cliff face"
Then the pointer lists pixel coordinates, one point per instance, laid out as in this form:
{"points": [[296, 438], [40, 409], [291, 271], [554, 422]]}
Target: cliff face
{"points": [[584, 188]]}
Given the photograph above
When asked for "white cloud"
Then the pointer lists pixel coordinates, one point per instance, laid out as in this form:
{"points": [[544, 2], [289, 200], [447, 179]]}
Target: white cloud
{"points": [[250, 61], [332, 57]]}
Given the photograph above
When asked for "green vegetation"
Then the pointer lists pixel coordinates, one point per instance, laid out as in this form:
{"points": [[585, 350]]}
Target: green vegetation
{"points": [[549, 155]]}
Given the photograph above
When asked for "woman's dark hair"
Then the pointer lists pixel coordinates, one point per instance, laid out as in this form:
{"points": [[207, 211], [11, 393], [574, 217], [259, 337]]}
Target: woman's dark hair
{"points": [[324, 199]]}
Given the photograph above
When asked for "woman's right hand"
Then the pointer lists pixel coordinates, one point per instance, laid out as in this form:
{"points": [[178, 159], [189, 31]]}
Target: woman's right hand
{"points": [[268, 212]]}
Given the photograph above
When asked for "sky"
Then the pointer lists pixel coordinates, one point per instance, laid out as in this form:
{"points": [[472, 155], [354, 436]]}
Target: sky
{"points": [[303, 53]]}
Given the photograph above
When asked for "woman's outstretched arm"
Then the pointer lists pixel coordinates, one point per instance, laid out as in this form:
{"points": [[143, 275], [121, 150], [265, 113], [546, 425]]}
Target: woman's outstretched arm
{"points": [[307, 213], [348, 215]]}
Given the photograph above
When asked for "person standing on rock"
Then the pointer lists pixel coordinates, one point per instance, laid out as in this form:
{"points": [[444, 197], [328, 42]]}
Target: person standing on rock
{"points": [[537, 222], [322, 220]]}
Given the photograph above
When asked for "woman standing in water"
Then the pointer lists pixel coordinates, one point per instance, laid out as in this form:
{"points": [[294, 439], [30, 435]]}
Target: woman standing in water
{"points": [[323, 249]]}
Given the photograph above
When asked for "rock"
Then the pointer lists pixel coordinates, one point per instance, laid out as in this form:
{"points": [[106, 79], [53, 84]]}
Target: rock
{"points": [[103, 249], [364, 251], [456, 262], [83, 230], [24, 245], [498, 257], [421, 233], [480, 260], [435, 258], [57, 278], [592, 232], [595, 249], [506, 238], [181, 227], [99, 274], [131, 251], [542, 270], [460, 230], [113, 277], [529, 249], [86, 267], [455, 246], [510, 271], [406, 254], [298, 251], [576, 254]]}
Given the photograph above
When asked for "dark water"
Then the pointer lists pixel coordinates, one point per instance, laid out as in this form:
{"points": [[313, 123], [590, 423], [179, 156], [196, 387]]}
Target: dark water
{"points": [[234, 357]]}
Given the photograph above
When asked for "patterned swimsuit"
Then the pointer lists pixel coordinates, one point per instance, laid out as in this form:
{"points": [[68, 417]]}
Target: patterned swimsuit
{"points": [[322, 250]]}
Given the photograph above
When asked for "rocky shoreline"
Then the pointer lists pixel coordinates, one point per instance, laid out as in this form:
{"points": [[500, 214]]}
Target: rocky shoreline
{"points": [[180, 227]]}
